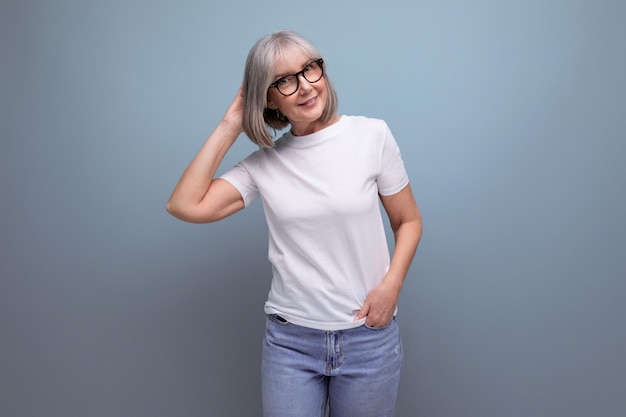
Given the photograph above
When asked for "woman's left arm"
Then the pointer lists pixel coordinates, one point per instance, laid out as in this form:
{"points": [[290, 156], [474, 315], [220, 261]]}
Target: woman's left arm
{"points": [[406, 223]]}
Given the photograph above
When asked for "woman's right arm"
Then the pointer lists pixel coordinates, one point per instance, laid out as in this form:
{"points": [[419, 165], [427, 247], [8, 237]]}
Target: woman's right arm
{"points": [[198, 197]]}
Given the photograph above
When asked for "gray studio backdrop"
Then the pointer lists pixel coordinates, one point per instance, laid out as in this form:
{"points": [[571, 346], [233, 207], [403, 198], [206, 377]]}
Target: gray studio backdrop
{"points": [[511, 119]]}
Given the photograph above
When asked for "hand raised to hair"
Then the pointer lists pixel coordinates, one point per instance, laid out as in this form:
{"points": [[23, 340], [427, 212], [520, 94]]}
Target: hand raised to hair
{"points": [[234, 113]]}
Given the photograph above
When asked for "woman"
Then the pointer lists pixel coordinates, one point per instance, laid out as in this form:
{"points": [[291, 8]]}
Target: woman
{"points": [[331, 336]]}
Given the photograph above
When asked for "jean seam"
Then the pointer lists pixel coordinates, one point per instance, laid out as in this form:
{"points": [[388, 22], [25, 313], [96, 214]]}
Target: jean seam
{"points": [[379, 329]]}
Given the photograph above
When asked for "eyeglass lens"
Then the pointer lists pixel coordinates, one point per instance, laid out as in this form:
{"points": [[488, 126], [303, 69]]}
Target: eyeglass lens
{"points": [[290, 83]]}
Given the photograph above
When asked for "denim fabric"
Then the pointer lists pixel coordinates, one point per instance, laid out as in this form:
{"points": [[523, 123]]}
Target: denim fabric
{"points": [[357, 371]]}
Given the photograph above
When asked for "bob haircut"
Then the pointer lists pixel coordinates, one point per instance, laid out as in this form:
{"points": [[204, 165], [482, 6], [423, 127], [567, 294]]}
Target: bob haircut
{"points": [[259, 74]]}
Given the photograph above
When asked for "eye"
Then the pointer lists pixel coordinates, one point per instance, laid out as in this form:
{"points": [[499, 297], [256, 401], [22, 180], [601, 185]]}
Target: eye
{"points": [[285, 80]]}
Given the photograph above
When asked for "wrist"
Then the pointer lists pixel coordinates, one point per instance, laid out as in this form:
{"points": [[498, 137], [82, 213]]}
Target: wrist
{"points": [[393, 282], [230, 128]]}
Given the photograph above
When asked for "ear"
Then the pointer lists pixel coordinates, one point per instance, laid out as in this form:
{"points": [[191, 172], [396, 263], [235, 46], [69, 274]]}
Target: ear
{"points": [[270, 104]]}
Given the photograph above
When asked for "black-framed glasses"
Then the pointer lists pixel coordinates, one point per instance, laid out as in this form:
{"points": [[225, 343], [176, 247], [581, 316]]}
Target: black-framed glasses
{"points": [[289, 84]]}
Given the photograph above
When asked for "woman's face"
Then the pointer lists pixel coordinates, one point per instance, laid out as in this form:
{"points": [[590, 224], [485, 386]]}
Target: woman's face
{"points": [[304, 108]]}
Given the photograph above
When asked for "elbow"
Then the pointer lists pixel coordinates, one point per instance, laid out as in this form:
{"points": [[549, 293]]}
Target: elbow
{"points": [[174, 210], [418, 226], [179, 212], [412, 229], [415, 228], [419, 229], [190, 214]]}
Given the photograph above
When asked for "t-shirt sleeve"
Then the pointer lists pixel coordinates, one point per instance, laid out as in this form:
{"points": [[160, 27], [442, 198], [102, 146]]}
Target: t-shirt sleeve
{"points": [[240, 176], [393, 176]]}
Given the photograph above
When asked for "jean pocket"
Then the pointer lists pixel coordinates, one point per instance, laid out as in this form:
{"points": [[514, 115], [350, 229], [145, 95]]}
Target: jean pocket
{"points": [[380, 328]]}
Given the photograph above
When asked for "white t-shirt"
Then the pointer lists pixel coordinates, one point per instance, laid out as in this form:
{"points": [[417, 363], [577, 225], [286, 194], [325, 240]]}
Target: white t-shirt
{"points": [[327, 243]]}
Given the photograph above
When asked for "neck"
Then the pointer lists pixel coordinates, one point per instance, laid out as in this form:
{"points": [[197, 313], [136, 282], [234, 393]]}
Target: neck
{"points": [[310, 128]]}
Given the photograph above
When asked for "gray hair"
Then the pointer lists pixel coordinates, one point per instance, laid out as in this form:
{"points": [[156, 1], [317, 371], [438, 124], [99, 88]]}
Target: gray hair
{"points": [[259, 74]]}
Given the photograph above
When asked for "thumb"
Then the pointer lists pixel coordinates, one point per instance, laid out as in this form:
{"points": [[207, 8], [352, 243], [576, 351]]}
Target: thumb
{"points": [[363, 311]]}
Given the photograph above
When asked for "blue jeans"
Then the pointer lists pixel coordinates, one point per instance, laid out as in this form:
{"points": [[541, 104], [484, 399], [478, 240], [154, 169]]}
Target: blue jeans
{"points": [[357, 371]]}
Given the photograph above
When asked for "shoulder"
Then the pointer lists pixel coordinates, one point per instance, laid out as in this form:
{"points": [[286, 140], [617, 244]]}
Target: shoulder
{"points": [[264, 152], [368, 127], [251, 162], [366, 122]]}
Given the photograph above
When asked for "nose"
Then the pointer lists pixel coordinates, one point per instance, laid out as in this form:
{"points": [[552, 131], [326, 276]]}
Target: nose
{"points": [[305, 85]]}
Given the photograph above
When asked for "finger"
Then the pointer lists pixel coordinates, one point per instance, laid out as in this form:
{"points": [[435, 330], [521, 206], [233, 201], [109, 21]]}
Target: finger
{"points": [[363, 311]]}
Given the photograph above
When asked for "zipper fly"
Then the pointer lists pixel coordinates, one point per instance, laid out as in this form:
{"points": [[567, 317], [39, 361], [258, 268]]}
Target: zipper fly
{"points": [[334, 352]]}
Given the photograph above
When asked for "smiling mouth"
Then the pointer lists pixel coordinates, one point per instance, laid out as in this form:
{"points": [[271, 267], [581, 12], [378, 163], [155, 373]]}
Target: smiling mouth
{"points": [[309, 102]]}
